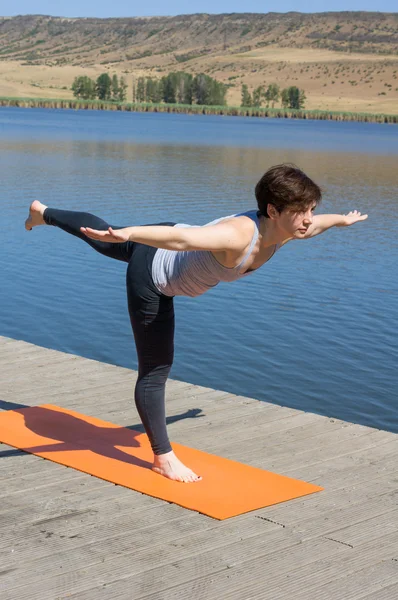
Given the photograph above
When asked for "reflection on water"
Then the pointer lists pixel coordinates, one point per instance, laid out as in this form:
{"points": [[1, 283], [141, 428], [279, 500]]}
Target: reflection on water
{"points": [[313, 329]]}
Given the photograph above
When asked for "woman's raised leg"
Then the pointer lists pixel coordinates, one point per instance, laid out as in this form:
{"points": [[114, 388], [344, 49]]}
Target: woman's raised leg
{"points": [[71, 221]]}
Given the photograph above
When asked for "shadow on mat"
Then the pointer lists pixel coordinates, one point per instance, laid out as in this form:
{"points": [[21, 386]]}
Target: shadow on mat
{"points": [[72, 433]]}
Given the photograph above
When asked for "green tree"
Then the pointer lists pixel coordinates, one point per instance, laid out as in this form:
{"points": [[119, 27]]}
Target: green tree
{"points": [[258, 96], [158, 91], [153, 91], [201, 89], [84, 87], [302, 99], [207, 90], [184, 88], [149, 89], [103, 87], [140, 92], [115, 87], [292, 97], [122, 91], [285, 98], [272, 94], [246, 96], [218, 92], [169, 89]]}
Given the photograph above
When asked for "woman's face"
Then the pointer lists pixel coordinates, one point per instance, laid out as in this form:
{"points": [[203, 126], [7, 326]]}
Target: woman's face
{"points": [[296, 224]]}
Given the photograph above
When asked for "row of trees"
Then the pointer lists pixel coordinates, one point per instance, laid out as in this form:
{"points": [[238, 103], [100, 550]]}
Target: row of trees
{"points": [[291, 97], [178, 87], [182, 88], [104, 88]]}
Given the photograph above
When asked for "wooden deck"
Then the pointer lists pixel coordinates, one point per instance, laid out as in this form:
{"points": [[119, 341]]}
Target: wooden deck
{"points": [[64, 534]]}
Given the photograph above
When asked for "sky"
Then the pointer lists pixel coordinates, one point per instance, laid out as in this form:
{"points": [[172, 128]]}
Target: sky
{"points": [[129, 8]]}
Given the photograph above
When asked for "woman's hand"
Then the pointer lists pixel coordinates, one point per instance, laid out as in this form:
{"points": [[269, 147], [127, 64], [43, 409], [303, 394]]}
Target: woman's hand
{"points": [[351, 218], [117, 236]]}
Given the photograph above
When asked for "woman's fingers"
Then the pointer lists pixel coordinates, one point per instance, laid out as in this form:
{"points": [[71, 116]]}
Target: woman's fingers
{"points": [[354, 216], [359, 217], [103, 236], [94, 233]]}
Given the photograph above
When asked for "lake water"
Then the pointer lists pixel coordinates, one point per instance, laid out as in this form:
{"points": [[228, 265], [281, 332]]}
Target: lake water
{"points": [[314, 329]]}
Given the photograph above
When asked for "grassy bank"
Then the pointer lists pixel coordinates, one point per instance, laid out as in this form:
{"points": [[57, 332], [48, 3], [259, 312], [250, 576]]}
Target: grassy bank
{"points": [[278, 113]]}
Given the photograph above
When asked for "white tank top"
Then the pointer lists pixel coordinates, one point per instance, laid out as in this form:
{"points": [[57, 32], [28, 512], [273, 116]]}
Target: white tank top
{"points": [[193, 272]]}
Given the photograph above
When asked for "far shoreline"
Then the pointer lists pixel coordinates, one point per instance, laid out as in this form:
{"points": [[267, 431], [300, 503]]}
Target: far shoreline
{"points": [[194, 109]]}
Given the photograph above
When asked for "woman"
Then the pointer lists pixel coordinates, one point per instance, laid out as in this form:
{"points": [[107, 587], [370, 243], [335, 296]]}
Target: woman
{"points": [[171, 259]]}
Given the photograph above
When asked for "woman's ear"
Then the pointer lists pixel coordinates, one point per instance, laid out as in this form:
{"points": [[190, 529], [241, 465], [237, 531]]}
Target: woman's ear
{"points": [[272, 212]]}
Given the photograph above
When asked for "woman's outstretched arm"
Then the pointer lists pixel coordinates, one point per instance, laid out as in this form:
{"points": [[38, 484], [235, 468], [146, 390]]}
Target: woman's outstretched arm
{"points": [[222, 236], [321, 223]]}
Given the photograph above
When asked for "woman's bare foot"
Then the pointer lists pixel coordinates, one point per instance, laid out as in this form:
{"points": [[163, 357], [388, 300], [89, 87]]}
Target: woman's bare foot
{"points": [[35, 218], [171, 467]]}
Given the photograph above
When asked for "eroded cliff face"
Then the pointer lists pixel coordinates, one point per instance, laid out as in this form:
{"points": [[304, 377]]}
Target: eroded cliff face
{"points": [[181, 39]]}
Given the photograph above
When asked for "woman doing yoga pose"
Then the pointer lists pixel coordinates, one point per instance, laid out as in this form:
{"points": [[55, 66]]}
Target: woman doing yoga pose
{"points": [[169, 259]]}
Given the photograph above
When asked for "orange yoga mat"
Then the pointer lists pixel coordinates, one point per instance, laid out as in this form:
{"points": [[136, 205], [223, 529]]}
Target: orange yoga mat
{"points": [[123, 456]]}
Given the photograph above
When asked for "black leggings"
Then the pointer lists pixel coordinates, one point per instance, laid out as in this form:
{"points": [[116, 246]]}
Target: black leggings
{"points": [[151, 315]]}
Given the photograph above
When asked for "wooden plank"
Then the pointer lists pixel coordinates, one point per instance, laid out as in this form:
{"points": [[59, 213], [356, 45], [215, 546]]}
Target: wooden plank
{"points": [[353, 466], [32, 357], [74, 391], [147, 578], [298, 426], [319, 519], [24, 351], [72, 524], [39, 367], [232, 418], [368, 529], [255, 568], [20, 467], [78, 398], [167, 549], [357, 585], [126, 531], [311, 507], [277, 441], [386, 593], [282, 575], [280, 461], [75, 495], [367, 522], [21, 518]]}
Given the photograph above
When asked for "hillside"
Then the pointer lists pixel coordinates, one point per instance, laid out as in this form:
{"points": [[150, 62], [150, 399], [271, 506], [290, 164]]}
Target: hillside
{"points": [[344, 61]]}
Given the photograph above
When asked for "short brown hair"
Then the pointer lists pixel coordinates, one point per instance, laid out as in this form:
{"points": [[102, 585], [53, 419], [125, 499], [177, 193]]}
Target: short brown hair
{"points": [[286, 187]]}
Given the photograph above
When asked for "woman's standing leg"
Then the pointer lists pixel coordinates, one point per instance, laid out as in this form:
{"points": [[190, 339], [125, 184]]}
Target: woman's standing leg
{"points": [[152, 320]]}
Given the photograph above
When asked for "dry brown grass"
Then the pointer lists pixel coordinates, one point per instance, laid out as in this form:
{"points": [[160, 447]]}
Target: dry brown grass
{"points": [[18, 80]]}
